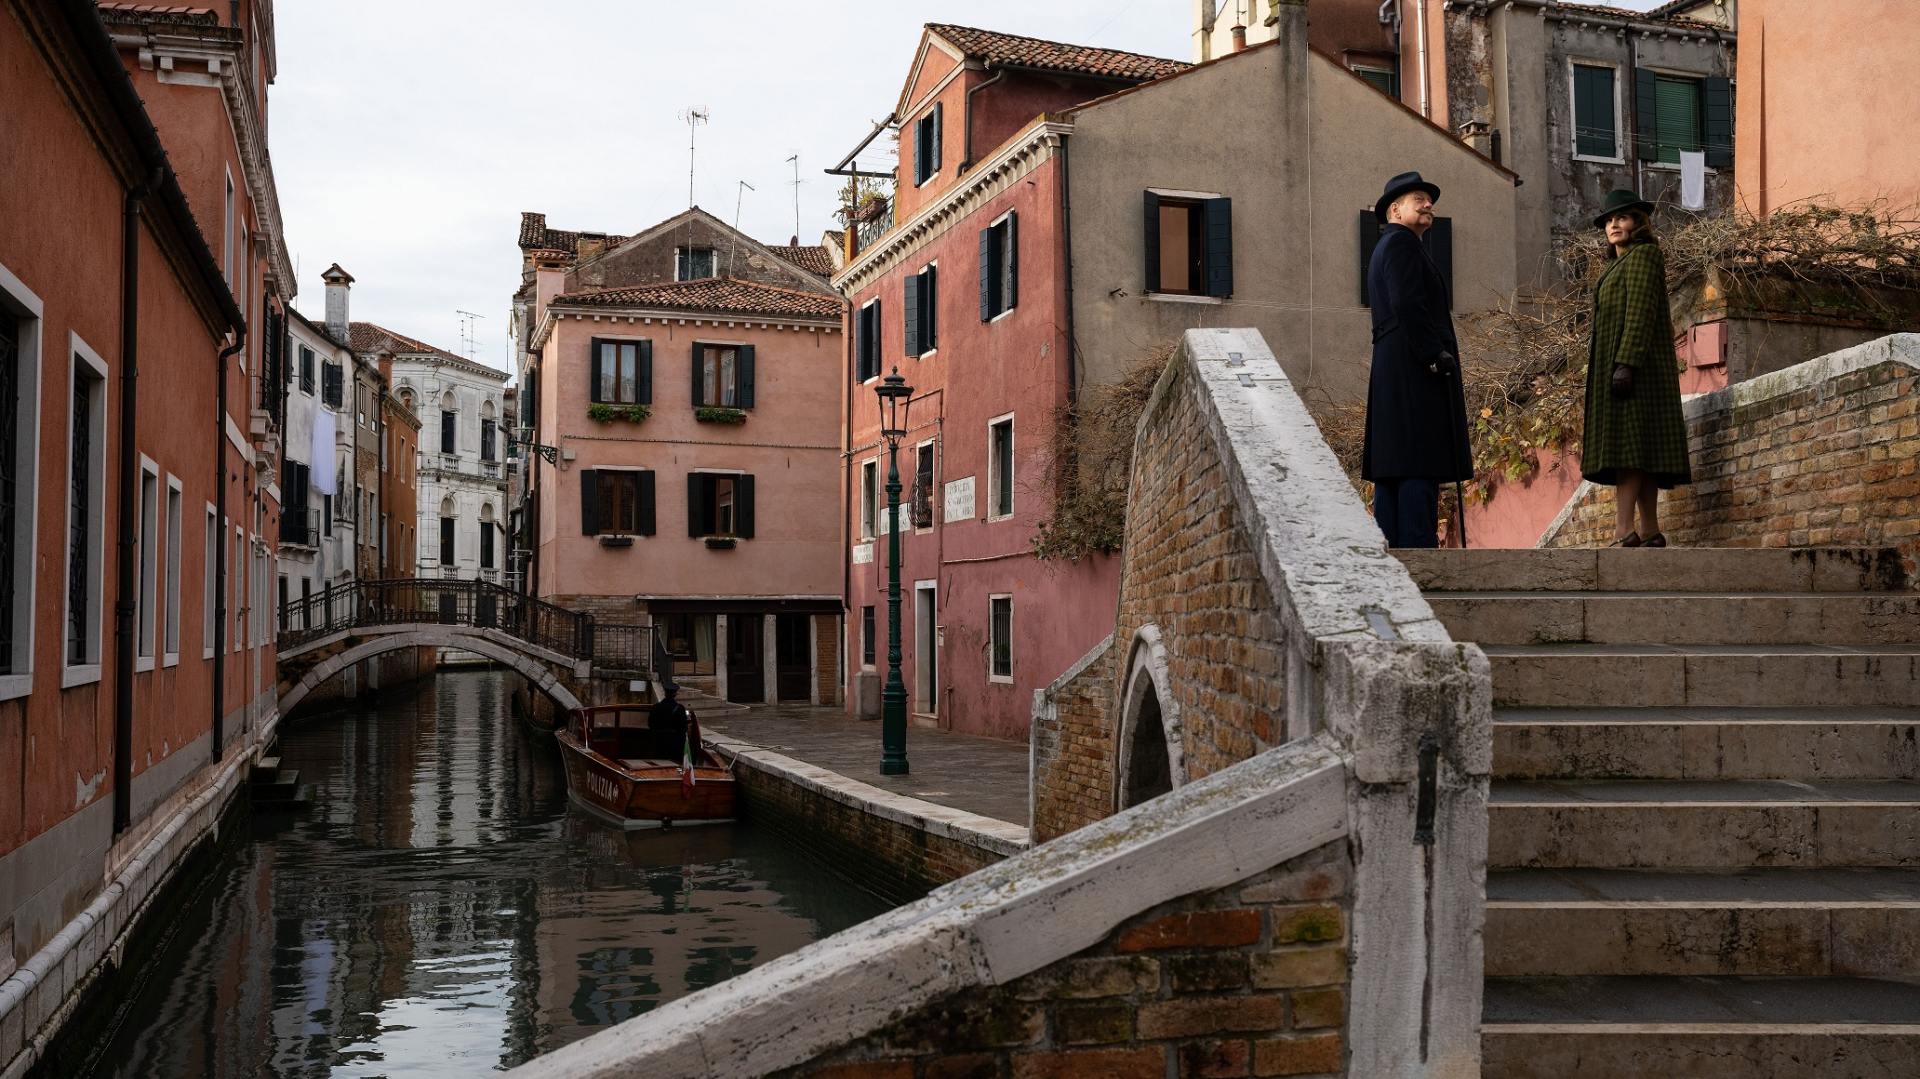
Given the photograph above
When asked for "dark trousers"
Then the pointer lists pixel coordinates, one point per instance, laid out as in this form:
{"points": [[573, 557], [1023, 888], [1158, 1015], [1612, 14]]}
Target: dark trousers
{"points": [[1408, 511]]}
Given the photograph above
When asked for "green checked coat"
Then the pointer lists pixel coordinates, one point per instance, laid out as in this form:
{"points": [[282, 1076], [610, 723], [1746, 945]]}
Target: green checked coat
{"points": [[1631, 325]]}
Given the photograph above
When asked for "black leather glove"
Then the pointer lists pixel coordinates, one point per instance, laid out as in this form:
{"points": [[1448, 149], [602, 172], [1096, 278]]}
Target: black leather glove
{"points": [[1622, 381], [1445, 364]]}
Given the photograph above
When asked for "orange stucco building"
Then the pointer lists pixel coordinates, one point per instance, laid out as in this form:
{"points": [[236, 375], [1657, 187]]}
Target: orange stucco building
{"points": [[139, 264]]}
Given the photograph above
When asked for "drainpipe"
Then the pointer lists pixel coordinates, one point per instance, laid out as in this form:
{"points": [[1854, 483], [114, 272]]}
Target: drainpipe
{"points": [[1426, 108], [966, 150], [124, 583], [220, 544], [1066, 230]]}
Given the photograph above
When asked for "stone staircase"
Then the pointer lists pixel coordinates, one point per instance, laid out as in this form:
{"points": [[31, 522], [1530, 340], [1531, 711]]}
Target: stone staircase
{"points": [[1704, 847]]}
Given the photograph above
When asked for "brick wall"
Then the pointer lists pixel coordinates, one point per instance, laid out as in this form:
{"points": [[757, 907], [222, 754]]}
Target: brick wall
{"points": [[826, 635], [1822, 453], [1072, 749], [1246, 980], [618, 610]]}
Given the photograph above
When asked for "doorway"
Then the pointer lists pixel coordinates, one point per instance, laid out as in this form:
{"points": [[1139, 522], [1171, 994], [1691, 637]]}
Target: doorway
{"points": [[746, 659], [926, 641], [793, 657]]}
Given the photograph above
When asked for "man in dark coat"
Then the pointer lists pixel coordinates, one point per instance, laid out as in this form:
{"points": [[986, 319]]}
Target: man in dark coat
{"points": [[1416, 408], [667, 720]]}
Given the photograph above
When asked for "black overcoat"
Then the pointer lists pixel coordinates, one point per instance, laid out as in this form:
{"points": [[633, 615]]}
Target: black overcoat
{"points": [[1416, 420]]}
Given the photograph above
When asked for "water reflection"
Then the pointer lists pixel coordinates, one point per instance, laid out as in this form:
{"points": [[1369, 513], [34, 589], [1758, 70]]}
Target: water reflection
{"points": [[441, 911]]}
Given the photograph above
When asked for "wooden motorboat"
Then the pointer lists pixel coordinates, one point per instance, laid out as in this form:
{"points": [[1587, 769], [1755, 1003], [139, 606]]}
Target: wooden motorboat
{"points": [[615, 771]]}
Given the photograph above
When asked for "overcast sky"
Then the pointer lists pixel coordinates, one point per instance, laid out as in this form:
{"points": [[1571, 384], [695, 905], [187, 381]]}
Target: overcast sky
{"points": [[408, 137]]}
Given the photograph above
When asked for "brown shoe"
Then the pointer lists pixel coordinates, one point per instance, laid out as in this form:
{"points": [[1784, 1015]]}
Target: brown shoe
{"points": [[1659, 540], [1631, 539]]}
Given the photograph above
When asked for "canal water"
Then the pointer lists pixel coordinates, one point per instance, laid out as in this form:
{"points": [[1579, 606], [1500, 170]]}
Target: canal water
{"points": [[443, 911]]}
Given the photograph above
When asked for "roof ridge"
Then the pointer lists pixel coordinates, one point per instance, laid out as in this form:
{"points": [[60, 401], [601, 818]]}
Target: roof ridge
{"points": [[941, 26]]}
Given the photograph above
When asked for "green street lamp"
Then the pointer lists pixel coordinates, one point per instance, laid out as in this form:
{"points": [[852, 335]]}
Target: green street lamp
{"points": [[896, 400]]}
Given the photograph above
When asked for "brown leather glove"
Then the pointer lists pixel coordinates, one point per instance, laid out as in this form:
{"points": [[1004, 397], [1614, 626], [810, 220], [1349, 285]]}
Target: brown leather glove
{"points": [[1622, 381]]}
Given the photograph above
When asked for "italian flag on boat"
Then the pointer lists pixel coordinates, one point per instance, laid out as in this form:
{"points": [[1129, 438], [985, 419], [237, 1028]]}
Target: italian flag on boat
{"points": [[686, 754]]}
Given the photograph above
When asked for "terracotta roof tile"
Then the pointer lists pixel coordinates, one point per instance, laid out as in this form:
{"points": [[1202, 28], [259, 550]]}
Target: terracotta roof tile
{"points": [[720, 295], [1663, 13], [810, 257], [536, 236], [372, 337], [1014, 50]]}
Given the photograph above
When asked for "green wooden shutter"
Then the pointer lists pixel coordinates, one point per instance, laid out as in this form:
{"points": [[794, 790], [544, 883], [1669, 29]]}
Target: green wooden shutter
{"points": [[743, 506], [743, 377], [1646, 126], [1010, 262], [988, 274], [936, 139], [1218, 219], [646, 372], [593, 371], [1594, 129], [699, 383], [922, 149], [1151, 241], [644, 525], [1439, 241], [1369, 239], [1718, 95], [589, 497], [1678, 116], [698, 485], [911, 297], [929, 308]]}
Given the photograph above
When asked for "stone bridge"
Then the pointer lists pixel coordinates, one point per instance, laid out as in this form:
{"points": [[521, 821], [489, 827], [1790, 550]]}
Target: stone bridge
{"points": [[558, 651]]}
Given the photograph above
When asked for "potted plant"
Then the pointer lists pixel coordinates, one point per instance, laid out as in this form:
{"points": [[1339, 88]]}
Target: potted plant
{"points": [[601, 412], [720, 414]]}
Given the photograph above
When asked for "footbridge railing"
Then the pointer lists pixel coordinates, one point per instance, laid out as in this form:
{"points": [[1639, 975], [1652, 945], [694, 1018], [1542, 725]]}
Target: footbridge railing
{"points": [[479, 604]]}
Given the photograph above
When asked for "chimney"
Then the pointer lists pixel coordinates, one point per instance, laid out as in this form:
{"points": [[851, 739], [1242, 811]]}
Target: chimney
{"points": [[589, 244], [1239, 38], [339, 283]]}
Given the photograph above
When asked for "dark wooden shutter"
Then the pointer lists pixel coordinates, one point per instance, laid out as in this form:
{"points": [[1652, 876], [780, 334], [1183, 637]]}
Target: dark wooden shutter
{"points": [[922, 149], [698, 487], [1369, 239], [929, 308], [911, 297], [644, 482], [1218, 217], [743, 506], [743, 377], [989, 273], [589, 502], [1151, 244], [936, 139], [646, 372], [1718, 93], [1010, 263], [593, 372], [699, 383], [1439, 241], [1646, 112]]}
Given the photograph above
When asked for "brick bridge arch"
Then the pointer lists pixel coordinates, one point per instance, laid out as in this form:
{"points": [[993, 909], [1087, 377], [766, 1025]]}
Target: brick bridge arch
{"points": [[536, 665]]}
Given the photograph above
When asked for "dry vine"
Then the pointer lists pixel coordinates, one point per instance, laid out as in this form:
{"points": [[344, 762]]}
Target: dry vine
{"points": [[1092, 454]]}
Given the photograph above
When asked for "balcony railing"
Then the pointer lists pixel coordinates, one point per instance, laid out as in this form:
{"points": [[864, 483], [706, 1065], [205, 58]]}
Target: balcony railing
{"points": [[300, 527]]}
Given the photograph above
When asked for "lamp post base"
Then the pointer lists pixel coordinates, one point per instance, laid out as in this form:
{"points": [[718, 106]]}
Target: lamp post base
{"points": [[893, 768]]}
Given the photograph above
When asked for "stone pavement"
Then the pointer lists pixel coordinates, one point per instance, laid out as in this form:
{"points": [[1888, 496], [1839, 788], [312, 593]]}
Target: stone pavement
{"points": [[979, 775]]}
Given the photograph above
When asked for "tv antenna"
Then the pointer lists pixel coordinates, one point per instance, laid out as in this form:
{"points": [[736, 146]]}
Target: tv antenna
{"points": [[739, 193], [468, 340], [693, 118], [794, 160]]}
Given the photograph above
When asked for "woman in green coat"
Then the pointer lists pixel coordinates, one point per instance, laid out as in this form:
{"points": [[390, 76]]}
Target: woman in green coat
{"points": [[1636, 436]]}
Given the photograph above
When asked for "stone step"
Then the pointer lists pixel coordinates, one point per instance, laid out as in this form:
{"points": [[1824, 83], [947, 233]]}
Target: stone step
{"points": [[1706, 743], [1510, 617], [264, 769], [1723, 676], [1685, 569], [1700, 1028], [1807, 922], [1730, 824]]}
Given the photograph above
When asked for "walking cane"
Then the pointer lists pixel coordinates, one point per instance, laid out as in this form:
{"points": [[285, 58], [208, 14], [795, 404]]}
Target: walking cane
{"points": [[1453, 427]]}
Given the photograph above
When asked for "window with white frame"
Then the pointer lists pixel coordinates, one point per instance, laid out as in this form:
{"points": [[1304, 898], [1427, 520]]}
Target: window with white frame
{"points": [[210, 581], [869, 497], [86, 512], [236, 602], [20, 338], [170, 603], [1000, 638], [146, 620], [1596, 110], [922, 306], [1000, 468], [921, 500], [999, 267], [692, 263]]}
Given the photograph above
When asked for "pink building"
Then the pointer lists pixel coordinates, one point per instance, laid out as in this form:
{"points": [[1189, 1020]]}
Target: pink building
{"points": [[696, 480]]}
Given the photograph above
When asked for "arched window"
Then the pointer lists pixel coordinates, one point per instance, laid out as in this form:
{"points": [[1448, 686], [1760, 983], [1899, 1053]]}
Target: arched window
{"points": [[487, 537], [489, 424], [446, 532], [406, 398], [449, 420]]}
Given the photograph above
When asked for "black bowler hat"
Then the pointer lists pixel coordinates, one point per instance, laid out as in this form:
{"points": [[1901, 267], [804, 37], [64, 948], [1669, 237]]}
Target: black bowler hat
{"points": [[1400, 185], [1618, 200]]}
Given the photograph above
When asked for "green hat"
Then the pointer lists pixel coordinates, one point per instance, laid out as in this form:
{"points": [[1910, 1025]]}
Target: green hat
{"points": [[1620, 199]]}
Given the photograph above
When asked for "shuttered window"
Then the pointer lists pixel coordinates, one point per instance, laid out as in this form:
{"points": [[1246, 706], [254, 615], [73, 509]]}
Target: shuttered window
{"points": [[1000, 628], [449, 423], [446, 541], [616, 502], [722, 375], [926, 145], [866, 349], [720, 505], [306, 369], [1438, 242], [1595, 124], [10, 485], [921, 497], [999, 268], [1189, 245], [620, 372], [922, 308], [1674, 113], [331, 388], [1678, 110]]}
